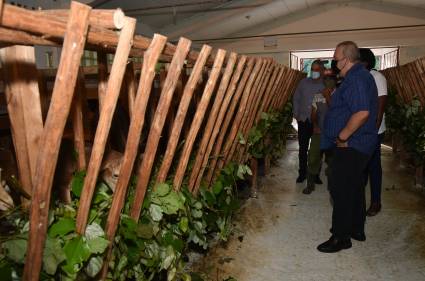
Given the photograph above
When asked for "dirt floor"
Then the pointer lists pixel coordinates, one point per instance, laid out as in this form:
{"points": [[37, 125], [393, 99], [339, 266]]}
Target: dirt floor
{"points": [[277, 233]]}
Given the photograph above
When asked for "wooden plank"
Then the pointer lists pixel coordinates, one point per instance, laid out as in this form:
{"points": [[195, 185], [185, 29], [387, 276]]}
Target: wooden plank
{"points": [[157, 125], [77, 121], [219, 122], [181, 113], [50, 142], [111, 19], [218, 146], [197, 171], [104, 124], [198, 117], [102, 64], [231, 138], [150, 59], [130, 82]]}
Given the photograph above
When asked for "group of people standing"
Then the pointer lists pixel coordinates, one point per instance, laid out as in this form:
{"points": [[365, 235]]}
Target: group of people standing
{"points": [[340, 115]]}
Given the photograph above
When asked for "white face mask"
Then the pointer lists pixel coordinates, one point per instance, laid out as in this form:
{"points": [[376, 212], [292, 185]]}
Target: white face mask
{"points": [[315, 74]]}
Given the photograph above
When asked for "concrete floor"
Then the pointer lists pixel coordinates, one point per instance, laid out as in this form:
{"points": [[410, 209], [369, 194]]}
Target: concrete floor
{"points": [[281, 229]]}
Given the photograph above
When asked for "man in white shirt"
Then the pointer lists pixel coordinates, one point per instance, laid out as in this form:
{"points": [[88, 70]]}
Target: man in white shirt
{"points": [[375, 169]]}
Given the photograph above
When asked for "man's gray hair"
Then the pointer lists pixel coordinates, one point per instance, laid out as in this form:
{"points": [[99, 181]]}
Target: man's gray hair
{"points": [[350, 50]]}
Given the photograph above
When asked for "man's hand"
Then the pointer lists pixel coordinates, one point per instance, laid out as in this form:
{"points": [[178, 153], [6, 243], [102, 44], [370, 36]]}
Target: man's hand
{"points": [[327, 94], [340, 143], [316, 130]]}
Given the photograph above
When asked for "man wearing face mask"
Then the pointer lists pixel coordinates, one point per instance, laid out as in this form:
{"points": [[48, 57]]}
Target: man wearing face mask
{"points": [[350, 131], [302, 102]]}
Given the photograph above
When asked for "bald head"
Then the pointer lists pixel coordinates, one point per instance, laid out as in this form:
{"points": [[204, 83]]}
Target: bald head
{"points": [[349, 50], [346, 55]]}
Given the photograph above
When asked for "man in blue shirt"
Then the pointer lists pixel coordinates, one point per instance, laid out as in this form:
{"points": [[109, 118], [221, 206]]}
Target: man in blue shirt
{"points": [[350, 130]]}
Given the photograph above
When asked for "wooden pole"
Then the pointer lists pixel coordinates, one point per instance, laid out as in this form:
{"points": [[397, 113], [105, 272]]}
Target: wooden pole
{"points": [[72, 51], [145, 169], [219, 122], [198, 117], [77, 121], [102, 64], [274, 81], [23, 105], [104, 125], [212, 117], [31, 21], [231, 137], [229, 116], [130, 81], [255, 109], [103, 18], [181, 113], [251, 97], [137, 121]]}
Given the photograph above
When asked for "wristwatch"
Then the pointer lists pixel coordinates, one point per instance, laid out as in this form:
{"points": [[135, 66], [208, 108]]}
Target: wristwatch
{"points": [[341, 140]]}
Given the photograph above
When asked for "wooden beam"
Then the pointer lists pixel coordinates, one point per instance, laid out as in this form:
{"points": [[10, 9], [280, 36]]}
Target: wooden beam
{"points": [[77, 121], [23, 106], [105, 120], [218, 146], [219, 122], [181, 113], [254, 108], [63, 91], [103, 18], [212, 117], [137, 121], [231, 137], [157, 125], [30, 21], [197, 119], [131, 85], [250, 92], [102, 66]]}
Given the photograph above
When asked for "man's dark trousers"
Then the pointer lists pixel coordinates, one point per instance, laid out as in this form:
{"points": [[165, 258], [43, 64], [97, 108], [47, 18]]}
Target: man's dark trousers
{"points": [[348, 192], [305, 131], [375, 172]]}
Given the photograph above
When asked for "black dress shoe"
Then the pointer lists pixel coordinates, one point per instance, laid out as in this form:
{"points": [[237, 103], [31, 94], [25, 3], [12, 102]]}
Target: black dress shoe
{"points": [[334, 245], [301, 178], [359, 236], [317, 180]]}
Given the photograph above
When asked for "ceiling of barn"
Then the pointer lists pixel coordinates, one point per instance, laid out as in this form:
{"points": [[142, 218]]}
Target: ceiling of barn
{"points": [[202, 19]]}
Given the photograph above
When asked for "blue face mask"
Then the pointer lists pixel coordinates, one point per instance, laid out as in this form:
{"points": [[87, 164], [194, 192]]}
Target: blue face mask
{"points": [[315, 74]]}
